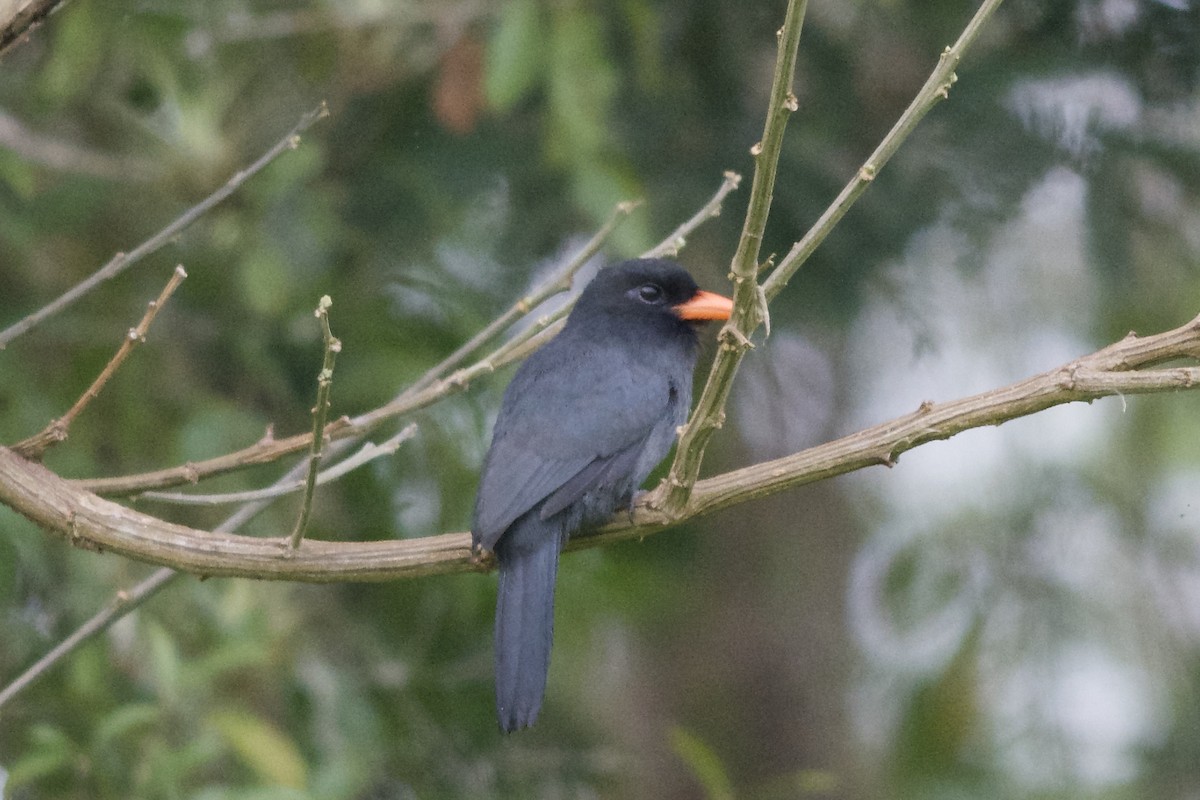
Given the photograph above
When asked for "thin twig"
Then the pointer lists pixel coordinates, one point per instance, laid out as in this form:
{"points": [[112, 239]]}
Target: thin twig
{"points": [[17, 28], [57, 431], [935, 89], [368, 452], [560, 280], [320, 413], [121, 604], [122, 261], [672, 495], [749, 307], [677, 240], [126, 600]]}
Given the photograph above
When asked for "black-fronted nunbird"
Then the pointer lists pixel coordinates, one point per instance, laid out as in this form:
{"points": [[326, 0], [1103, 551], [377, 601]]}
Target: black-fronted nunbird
{"points": [[582, 424]]}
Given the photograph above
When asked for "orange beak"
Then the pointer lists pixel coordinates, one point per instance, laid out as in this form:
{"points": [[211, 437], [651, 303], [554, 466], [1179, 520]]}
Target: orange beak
{"points": [[705, 306]]}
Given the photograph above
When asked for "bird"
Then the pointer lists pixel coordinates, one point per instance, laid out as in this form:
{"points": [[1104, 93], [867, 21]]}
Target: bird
{"points": [[581, 425]]}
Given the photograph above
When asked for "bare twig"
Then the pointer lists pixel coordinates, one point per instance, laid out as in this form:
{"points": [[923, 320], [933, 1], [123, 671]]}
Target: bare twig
{"points": [[368, 452], [751, 298], [121, 604], [1125, 368], [126, 600], [749, 308], [26, 18], [677, 240], [320, 413], [935, 89], [122, 261], [58, 430]]}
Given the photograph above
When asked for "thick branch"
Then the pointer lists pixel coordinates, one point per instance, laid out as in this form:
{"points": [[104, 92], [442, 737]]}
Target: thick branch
{"points": [[1127, 367]]}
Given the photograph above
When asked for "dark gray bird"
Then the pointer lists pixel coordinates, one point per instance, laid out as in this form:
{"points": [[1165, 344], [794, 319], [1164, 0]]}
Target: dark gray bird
{"points": [[582, 424]]}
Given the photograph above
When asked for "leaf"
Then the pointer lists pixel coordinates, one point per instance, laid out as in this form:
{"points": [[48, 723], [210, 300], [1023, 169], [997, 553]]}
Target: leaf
{"points": [[262, 747], [50, 751], [513, 59], [122, 721], [704, 763], [165, 662]]}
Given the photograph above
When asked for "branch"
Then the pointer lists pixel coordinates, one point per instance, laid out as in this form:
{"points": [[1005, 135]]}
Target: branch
{"points": [[368, 452], [518, 347], [751, 299], [1124, 368], [936, 89], [24, 20], [124, 601], [320, 413], [35, 446], [749, 307], [122, 261], [677, 239], [121, 604]]}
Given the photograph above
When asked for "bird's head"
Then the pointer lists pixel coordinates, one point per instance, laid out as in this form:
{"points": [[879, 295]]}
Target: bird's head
{"points": [[652, 292]]}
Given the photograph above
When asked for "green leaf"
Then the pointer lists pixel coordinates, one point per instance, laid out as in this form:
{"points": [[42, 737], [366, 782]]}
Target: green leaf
{"points": [[513, 55], [123, 721], [262, 747], [265, 279], [583, 85], [704, 763], [50, 751], [165, 663]]}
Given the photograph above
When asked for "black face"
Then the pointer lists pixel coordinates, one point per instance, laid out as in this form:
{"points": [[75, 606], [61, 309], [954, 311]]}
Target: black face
{"points": [[642, 287]]}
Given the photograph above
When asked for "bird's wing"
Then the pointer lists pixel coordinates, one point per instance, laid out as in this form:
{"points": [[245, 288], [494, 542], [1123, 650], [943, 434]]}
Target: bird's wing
{"points": [[514, 480], [601, 470], [579, 433]]}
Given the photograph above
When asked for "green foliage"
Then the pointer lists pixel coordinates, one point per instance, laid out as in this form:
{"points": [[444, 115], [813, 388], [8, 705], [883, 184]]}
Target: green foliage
{"points": [[764, 653], [514, 55], [703, 763]]}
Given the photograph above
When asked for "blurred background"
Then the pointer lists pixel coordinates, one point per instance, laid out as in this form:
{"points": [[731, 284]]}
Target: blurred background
{"points": [[1013, 613]]}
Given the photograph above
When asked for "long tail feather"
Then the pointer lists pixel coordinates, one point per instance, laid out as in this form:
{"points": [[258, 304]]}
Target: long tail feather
{"points": [[524, 631]]}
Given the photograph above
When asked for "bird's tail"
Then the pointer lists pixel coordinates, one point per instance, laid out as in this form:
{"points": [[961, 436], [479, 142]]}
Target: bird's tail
{"points": [[524, 630]]}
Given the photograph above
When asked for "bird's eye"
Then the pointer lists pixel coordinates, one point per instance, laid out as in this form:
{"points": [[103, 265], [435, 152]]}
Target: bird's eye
{"points": [[649, 293]]}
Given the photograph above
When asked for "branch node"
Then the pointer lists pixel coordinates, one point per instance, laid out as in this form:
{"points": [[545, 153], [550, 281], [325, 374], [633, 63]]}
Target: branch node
{"points": [[733, 339], [1067, 380]]}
